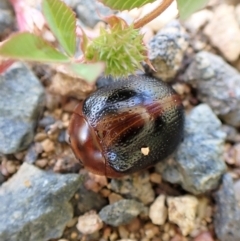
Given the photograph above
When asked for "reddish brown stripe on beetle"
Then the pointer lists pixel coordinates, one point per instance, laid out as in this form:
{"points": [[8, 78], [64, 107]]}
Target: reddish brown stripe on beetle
{"points": [[126, 121], [116, 130]]}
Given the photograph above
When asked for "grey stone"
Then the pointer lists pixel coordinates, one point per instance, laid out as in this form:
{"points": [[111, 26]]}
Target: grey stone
{"points": [[236, 188], [217, 84], [198, 162], [62, 136], [7, 20], [31, 155], [72, 3], [5, 4], [21, 103], [166, 50], [227, 215], [46, 121], [121, 212], [88, 200], [89, 12], [232, 133], [135, 186], [2, 178], [35, 204]]}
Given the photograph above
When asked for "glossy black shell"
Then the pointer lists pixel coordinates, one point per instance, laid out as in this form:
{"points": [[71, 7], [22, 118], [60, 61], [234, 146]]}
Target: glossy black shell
{"points": [[135, 113]]}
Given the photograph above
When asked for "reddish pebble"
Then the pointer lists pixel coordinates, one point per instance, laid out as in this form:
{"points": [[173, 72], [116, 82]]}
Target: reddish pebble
{"points": [[134, 226], [177, 237], [205, 236]]}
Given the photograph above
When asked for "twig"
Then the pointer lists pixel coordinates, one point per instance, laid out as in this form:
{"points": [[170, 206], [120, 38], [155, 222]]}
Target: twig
{"points": [[155, 13]]}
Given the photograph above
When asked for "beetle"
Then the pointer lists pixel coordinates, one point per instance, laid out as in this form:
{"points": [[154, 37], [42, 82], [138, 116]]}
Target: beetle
{"points": [[127, 126]]}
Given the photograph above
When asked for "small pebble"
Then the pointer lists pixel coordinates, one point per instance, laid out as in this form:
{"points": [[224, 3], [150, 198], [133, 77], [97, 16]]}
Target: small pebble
{"points": [[62, 136], [66, 163], [106, 233], [57, 113], [48, 145], [54, 128], [66, 85], [155, 178], [40, 136], [19, 156], [205, 236], [134, 225], [198, 20], [178, 237], [113, 236], [227, 214], [70, 106], [121, 212], [145, 239], [220, 36], [113, 197], [165, 237], [89, 223], [126, 240], [52, 101], [105, 192], [150, 232], [38, 147], [65, 117], [74, 235], [237, 190], [182, 211], [203, 208], [166, 227], [46, 121], [87, 200], [156, 239], [229, 154], [72, 222], [11, 167], [136, 186], [232, 134], [123, 232], [236, 153], [95, 182], [196, 231], [41, 163], [166, 50], [132, 236], [2, 178], [172, 232], [158, 211], [32, 153]]}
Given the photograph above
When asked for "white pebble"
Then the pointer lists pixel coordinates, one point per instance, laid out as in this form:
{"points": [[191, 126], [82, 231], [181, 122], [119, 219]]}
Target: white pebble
{"points": [[182, 211], [89, 223], [158, 211]]}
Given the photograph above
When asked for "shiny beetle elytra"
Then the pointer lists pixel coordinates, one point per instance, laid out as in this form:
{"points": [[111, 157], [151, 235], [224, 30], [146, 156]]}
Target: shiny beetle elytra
{"points": [[127, 126]]}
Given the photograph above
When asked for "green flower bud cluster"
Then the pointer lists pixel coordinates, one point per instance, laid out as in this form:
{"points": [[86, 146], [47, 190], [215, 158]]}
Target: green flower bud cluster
{"points": [[121, 48]]}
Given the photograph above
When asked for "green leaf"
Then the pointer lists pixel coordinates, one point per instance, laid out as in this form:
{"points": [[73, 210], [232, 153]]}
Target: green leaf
{"points": [[62, 23], [125, 4], [27, 46], [88, 72], [188, 7]]}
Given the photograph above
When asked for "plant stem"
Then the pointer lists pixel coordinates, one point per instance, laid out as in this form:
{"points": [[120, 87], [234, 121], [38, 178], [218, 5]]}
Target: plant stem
{"points": [[155, 13]]}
